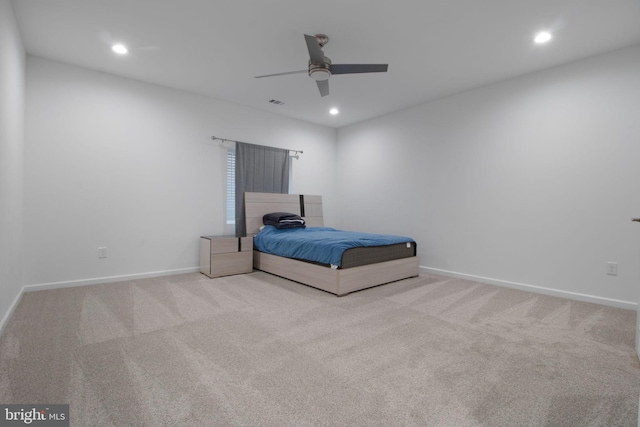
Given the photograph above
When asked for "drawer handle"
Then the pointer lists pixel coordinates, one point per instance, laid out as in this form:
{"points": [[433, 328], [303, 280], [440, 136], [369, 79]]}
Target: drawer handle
{"points": [[635, 219]]}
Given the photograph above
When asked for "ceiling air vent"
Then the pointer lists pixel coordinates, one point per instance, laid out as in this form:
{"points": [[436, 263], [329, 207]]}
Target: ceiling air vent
{"points": [[276, 102]]}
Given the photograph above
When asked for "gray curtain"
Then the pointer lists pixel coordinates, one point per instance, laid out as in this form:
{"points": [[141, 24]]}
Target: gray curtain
{"points": [[259, 169]]}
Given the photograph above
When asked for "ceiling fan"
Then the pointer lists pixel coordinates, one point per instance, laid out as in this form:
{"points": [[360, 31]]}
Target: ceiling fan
{"points": [[321, 68]]}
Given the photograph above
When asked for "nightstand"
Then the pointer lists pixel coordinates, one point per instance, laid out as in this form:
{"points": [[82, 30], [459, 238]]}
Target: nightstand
{"points": [[225, 255]]}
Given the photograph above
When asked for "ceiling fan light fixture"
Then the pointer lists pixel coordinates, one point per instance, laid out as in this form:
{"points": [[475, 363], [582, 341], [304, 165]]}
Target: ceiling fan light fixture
{"points": [[319, 73]]}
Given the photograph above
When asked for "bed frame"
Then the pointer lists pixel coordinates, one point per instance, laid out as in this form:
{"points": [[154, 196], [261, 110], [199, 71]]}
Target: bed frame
{"points": [[336, 281]]}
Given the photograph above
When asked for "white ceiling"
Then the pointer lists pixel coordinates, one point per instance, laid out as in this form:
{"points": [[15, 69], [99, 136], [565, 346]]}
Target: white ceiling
{"points": [[434, 48]]}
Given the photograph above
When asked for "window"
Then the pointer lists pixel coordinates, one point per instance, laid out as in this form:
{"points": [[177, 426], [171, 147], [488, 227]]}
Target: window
{"points": [[231, 186]]}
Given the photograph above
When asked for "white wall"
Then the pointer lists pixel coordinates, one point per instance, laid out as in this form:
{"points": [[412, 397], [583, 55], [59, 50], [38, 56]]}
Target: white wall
{"points": [[529, 182], [12, 86], [130, 166]]}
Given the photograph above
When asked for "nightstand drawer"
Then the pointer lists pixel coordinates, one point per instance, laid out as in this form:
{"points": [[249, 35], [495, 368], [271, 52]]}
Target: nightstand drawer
{"points": [[225, 255], [231, 263], [221, 245]]}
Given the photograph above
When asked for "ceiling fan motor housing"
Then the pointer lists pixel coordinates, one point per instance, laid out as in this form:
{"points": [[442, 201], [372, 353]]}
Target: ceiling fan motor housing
{"points": [[320, 71]]}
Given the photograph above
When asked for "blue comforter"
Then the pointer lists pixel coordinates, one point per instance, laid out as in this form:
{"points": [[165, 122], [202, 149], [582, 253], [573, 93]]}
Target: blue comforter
{"points": [[320, 244]]}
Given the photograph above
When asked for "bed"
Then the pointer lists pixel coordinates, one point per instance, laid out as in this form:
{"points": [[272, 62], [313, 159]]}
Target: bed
{"points": [[360, 268]]}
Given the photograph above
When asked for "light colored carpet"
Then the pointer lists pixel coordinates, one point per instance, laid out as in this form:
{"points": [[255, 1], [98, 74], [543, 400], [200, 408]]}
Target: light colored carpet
{"points": [[256, 349]]}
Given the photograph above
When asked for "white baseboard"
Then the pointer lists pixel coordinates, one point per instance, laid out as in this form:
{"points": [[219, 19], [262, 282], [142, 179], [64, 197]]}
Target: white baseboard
{"points": [[108, 279], [537, 289], [9, 313]]}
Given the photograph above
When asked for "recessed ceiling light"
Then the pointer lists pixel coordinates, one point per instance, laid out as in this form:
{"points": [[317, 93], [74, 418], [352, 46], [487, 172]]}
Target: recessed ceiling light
{"points": [[542, 37], [333, 111], [120, 48]]}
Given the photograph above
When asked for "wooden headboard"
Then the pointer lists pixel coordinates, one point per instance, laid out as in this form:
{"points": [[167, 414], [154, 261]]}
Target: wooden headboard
{"points": [[258, 204]]}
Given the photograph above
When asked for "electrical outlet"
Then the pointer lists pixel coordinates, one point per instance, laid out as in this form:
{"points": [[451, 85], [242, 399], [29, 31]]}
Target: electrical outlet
{"points": [[612, 268], [102, 252]]}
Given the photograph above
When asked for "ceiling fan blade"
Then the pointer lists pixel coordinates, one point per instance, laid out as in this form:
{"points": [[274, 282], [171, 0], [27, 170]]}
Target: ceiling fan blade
{"points": [[323, 87], [358, 68], [282, 74], [315, 53]]}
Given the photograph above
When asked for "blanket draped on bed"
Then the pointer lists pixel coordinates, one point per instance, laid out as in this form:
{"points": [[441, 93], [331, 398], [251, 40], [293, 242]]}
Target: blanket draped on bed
{"points": [[319, 244]]}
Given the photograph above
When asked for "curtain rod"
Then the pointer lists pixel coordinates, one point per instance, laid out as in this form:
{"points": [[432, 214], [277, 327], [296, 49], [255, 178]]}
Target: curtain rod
{"points": [[231, 140]]}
